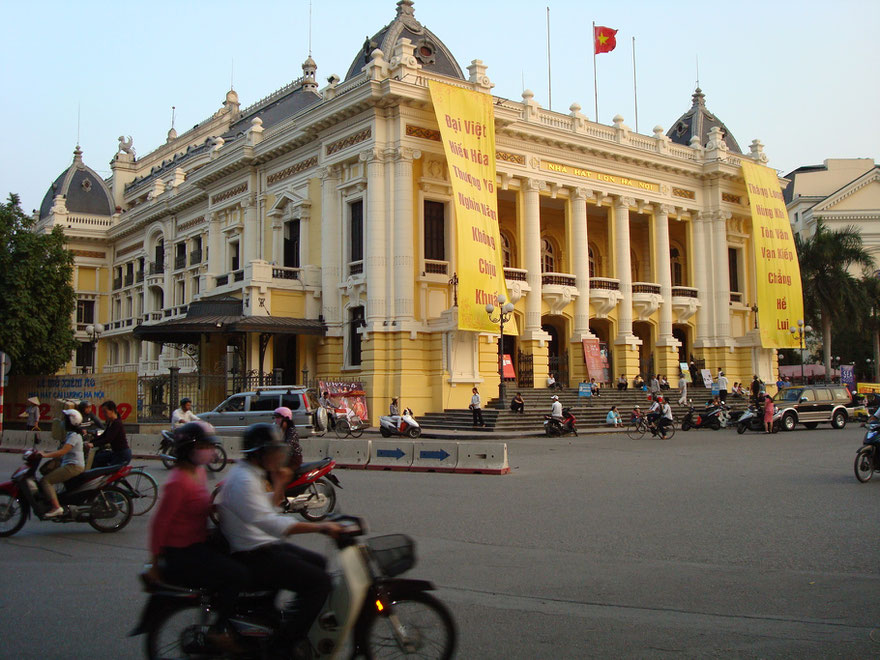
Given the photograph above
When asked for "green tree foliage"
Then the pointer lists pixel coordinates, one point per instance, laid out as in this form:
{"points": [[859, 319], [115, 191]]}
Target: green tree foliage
{"points": [[830, 289], [37, 299]]}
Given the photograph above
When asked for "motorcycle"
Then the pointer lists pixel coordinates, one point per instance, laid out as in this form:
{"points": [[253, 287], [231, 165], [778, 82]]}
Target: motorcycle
{"points": [[868, 455], [310, 493], [405, 425], [752, 419], [555, 427], [93, 497], [713, 418], [166, 454], [370, 611]]}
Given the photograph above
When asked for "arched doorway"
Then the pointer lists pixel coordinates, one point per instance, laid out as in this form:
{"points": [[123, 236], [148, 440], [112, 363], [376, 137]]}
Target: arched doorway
{"points": [[557, 353], [643, 330], [601, 328], [680, 332]]}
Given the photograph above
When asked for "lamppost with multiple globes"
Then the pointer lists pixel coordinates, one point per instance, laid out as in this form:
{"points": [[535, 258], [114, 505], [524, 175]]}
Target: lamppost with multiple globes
{"points": [[799, 333], [505, 309], [94, 332]]}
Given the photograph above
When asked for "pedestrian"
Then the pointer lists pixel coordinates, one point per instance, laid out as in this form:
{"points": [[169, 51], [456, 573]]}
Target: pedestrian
{"points": [[476, 410], [683, 389], [768, 414], [594, 387], [655, 385], [622, 383], [722, 386], [694, 372], [755, 387], [613, 418], [114, 435], [32, 412], [517, 404], [780, 383], [664, 383], [638, 383]]}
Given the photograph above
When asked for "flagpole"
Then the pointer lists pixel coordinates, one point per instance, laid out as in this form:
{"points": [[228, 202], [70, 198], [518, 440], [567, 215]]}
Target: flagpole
{"points": [[635, 87], [549, 81], [595, 86]]}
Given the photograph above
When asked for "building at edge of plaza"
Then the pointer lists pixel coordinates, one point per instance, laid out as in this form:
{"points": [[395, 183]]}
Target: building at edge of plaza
{"points": [[314, 231]]}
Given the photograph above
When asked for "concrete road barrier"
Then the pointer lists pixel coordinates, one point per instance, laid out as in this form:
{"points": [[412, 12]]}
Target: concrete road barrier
{"points": [[314, 448], [391, 455], [434, 456], [20, 440], [349, 453], [143, 444], [482, 458]]}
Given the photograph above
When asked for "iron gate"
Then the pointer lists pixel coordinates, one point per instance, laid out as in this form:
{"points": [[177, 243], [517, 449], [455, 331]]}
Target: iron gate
{"points": [[525, 370]]}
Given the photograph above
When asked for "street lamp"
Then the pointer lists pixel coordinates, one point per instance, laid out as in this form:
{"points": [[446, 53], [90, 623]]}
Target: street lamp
{"points": [[868, 363], [799, 333], [835, 363], [94, 332], [505, 309]]}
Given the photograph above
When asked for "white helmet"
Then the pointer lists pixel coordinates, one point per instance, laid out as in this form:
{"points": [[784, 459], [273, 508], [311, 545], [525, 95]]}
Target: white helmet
{"points": [[74, 416], [555, 398]]}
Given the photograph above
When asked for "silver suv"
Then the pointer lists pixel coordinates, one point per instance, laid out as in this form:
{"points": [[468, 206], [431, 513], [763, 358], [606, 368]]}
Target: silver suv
{"points": [[241, 410], [811, 405]]}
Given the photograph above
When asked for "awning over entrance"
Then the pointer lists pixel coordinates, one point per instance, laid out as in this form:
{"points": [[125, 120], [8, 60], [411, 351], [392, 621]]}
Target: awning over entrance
{"points": [[223, 316]]}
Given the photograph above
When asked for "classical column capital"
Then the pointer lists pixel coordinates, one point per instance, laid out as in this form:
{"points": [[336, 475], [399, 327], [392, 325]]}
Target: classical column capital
{"points": [[406, 154], [664, 209], [580, 193], [330, 172], [722, 216], [534, 184], [374, 155], [624, 202]]}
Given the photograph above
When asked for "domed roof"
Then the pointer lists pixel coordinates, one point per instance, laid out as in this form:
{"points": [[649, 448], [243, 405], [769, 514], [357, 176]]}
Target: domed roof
{"points": [[430, 52], [699, 121], [83, 189]]}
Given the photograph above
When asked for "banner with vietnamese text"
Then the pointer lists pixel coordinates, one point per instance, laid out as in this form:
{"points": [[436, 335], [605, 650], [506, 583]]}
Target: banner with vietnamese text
{"points": [[93, 388], [780, 298], [467, 127]]}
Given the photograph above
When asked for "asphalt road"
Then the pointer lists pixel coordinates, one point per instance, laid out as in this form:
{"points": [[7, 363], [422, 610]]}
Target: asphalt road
{"points": [[708, 545]]}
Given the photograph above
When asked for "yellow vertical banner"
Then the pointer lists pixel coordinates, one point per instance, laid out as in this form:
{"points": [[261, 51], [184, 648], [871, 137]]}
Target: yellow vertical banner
{"points": [[780, 297], [467, 128]]}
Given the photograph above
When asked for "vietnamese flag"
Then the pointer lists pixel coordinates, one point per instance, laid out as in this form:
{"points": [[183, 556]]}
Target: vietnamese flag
{"points": [[603, 39]]}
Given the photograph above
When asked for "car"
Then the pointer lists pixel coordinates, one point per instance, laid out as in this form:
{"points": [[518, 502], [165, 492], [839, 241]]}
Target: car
{"points": [[812, 405], [242, 410]]}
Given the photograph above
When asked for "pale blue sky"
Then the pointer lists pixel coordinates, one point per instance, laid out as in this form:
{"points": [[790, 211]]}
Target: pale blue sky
{"points": [[801, 76]]}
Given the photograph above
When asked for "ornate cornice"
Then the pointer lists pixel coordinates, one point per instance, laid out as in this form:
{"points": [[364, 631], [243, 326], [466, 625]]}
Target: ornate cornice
{"points": [[287, 172], [345, 142], [189, 224], [231, 192]]}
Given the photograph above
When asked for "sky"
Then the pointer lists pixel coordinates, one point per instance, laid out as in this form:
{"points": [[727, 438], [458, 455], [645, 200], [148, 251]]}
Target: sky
{"points": [[800, 76]]}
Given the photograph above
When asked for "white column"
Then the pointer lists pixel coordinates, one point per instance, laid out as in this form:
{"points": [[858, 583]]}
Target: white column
{"points": [[249, 232], [277, 251], [722, 276], [624, 270], [581, 260], [664, 271], [331, 231], [404, 250], [701, 278], [375, 247], [532, 244]]}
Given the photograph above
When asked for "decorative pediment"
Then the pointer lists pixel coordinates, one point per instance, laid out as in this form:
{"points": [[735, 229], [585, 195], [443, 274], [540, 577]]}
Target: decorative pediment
{"points": [[290, 205], [862, 194]]}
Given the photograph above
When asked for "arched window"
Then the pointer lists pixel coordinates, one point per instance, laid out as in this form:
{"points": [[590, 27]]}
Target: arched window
{"points": [[676, 266], [506, 251], [548, 257]]}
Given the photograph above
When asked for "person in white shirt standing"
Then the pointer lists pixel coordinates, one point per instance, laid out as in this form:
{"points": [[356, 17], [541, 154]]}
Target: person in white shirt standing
{"points": [[254, 529], [683, 389], [184, 414], [476, 408], [722, 386]]}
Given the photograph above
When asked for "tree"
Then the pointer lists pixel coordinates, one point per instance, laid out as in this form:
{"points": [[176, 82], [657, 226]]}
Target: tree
{"points": [[36, 294], [830, 290]]}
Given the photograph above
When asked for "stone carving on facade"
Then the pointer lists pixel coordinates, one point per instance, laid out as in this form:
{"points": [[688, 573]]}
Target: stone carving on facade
{"points": [[756, 151], [558, 297], [477, 75], [604, 301], [125, 146], [684, 307], [645, 302]]}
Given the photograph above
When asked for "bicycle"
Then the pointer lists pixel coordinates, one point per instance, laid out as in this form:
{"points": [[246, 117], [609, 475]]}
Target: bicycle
{"points": [[349, 427], [637, 428], [141, 488]]}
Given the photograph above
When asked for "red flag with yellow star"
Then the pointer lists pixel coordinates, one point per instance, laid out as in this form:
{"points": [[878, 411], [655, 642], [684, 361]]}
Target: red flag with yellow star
{"points": [[603, 39]]}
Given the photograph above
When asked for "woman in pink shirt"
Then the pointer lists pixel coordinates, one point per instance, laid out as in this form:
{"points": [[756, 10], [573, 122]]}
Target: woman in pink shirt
{"points": [[768, 413], [179, 527]]}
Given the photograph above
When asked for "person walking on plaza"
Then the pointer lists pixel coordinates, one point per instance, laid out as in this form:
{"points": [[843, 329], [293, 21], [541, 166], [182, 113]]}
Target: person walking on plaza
{"points": [[476, 408], [683, 389], [72, 461], [32, 412], [184, 414], [114, 435], [517, 404], [613, 418], [722, 387]]}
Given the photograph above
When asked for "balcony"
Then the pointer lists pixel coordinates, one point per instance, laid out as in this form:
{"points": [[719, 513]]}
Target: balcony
{"points": [[646, 299], [157, 268], [436, 267], [604, 295], [195, 257], [222, 280], [558, 290], [152, 317], [180, 262], [285, 273], [139, 277], [736, 298], [515, 274], [129, 279], [356, 268], [117, 283], [685, 303], [238, 275]]}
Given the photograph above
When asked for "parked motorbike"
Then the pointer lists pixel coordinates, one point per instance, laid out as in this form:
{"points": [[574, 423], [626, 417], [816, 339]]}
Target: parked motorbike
{"points": [[752, 419], [93, 497], [310, 493], [166, 454], [868, 455], [555, 427], [370, 611], [405, 425], [713, 417]]}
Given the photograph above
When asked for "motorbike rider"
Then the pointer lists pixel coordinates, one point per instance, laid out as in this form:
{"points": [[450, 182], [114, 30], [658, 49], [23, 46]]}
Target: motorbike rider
{"points": [[72, 461], [184, 414], [556, 408], [114, 435], [255, 529], [179, 549], [284, 420]]}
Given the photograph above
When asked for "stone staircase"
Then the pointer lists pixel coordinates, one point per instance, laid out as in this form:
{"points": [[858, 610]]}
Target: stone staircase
{"points": [[589, 411]]}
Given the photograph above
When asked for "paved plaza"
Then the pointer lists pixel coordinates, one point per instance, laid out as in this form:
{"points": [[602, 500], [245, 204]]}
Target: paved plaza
{"points": [[708, 545]]}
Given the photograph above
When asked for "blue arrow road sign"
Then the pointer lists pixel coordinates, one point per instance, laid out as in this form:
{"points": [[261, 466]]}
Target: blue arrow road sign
{"points": [[396, 454], [439, 455]]}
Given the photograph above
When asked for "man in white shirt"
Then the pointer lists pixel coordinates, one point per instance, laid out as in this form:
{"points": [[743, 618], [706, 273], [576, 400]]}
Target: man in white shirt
{"points": [[722, 386], [254, 529], [556, 408], [683, 388], [665, 416], [184, 414]]}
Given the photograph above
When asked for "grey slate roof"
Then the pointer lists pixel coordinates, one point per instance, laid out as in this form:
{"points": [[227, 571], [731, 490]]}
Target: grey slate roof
{"points": [[84, 190], [699, 121]]}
